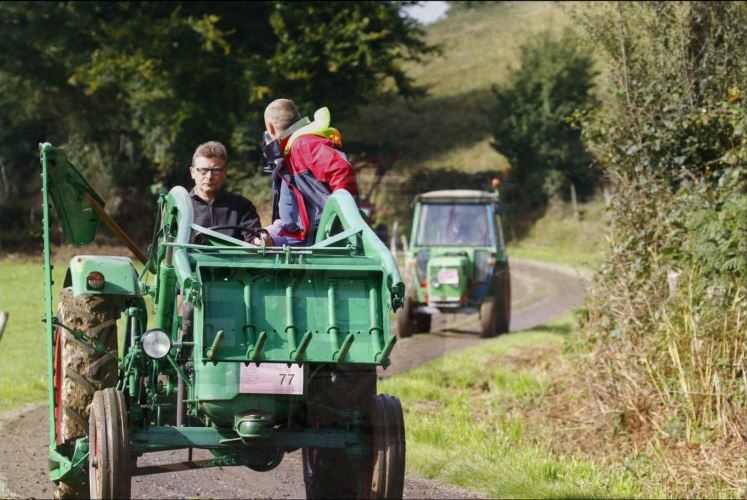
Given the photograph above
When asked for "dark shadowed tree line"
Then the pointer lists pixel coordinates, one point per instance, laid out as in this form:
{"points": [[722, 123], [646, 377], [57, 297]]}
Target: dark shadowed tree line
{"points": [[130, 89]]}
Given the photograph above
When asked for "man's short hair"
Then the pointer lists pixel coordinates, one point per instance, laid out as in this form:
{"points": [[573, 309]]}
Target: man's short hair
{"points": [[210, 149], [282, 113]]}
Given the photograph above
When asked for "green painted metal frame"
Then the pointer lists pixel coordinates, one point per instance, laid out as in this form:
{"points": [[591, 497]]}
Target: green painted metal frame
{"points": [[70, 189], [49, 328], [340, 207], [173, 438], [355, 248], [119, 272]]}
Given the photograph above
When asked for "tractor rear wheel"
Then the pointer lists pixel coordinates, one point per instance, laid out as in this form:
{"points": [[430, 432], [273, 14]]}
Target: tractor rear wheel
{"points": [[504, 318], [406, 319], [109, 446], [334, 472], [495, 311], [80, 371], [388, 444]]}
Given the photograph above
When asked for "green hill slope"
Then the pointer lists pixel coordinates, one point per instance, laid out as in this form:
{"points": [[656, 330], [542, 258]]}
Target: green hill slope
{"points": [[448, 128]]}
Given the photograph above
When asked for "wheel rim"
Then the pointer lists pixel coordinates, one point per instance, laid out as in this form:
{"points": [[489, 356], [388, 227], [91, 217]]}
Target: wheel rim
{"points": [[378, 455]]}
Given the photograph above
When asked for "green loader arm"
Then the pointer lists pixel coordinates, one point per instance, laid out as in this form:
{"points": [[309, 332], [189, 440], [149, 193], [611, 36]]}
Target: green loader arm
{"points": [[342, 212]]}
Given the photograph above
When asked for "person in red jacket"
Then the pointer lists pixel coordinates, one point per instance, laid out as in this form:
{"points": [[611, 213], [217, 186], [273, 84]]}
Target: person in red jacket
{"points": [[307, 167]]}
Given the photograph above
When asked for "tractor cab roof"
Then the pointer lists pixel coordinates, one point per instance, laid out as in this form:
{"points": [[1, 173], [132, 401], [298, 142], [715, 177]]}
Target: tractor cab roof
{"points": [[457, 195]]}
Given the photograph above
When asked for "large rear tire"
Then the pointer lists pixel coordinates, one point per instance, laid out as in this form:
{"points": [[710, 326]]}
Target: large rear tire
{"points": [[388, 445], [109, 446], [503, 323], [495, 311], [80, 371], [333, 472]]}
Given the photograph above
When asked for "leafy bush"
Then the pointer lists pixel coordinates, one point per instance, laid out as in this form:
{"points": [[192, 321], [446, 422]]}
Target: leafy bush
{"points": [[132, 89], [530, 120], [667, 309]]}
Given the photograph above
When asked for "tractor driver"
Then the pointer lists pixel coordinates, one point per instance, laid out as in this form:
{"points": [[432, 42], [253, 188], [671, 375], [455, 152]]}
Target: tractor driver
{"points": [[308, 168], [215, 207]]}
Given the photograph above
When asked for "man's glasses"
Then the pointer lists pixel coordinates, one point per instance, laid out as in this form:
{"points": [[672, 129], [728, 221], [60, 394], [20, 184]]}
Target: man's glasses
{"points": [[214, 171]]}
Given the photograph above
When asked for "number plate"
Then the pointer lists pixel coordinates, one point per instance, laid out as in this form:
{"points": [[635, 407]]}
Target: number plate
{"points": [[448, 276], [271, 378]]}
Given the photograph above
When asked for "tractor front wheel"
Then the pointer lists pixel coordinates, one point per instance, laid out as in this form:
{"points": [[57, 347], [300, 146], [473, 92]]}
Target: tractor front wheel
{"points": [[337, 472], [504, 319], [422, 322], [79, 370], [109, 446]]}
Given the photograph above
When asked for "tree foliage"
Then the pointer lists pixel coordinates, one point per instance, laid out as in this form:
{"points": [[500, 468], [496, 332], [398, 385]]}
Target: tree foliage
{"points": [[531, 118], [132, 88]]}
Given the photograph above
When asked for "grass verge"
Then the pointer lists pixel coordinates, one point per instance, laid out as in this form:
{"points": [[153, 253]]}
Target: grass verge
{"points": [[466, 422], [23, 367], [562, 238]]}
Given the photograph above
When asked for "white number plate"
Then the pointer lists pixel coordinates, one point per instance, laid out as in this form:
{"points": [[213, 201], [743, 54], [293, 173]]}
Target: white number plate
{"points": [[448, 276], [271, 378]]}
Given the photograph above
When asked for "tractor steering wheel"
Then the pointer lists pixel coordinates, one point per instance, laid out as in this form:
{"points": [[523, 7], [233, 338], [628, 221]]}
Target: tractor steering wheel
{"points": [[240, 228]]}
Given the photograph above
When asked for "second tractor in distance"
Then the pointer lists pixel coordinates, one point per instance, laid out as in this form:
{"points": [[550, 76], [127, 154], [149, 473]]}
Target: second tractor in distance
{"points": [[457, 262]]}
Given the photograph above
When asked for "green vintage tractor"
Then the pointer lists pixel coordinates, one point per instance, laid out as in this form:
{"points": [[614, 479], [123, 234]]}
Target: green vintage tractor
{"points": [[457, 262], [250, 352]]}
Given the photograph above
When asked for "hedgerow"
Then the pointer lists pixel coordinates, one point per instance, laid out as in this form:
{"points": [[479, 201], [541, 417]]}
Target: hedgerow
{"points": [[666, 313]]}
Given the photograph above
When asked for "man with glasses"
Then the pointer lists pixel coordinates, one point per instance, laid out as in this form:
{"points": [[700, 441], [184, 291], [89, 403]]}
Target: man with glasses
{"points": [[229, 213]]}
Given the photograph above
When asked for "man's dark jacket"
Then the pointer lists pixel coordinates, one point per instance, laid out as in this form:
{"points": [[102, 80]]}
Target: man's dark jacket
{"points": [[227, 209]]}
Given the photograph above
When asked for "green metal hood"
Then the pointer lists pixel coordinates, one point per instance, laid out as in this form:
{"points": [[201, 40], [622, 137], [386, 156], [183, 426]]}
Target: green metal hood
{"points": [[68, 188]]}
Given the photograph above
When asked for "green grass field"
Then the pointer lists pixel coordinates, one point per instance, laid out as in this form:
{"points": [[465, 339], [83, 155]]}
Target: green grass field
{"points": [[465, 426], [23, 366]]}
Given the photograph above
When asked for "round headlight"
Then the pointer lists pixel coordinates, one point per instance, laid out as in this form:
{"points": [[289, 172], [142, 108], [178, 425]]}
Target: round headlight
{"points": [[95, 280], [156, 343]]}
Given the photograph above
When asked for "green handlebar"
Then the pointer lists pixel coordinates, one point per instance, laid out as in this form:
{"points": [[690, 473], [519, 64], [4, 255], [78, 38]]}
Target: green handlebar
{"points": [[342, 207]]}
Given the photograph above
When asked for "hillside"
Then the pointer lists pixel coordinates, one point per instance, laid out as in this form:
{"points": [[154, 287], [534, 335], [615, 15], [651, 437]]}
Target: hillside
{"points": [[447, 129]]}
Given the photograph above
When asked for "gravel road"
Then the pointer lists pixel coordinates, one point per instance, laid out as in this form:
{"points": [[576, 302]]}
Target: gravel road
{"points": [[541, 292]]}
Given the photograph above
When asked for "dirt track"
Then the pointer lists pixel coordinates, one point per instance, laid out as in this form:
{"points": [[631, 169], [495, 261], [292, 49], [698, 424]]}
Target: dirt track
{"points": [[540, 293]]}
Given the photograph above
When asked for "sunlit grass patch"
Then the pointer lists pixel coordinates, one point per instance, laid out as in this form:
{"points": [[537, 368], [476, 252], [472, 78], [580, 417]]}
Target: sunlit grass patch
{"points": [[23, 366], [464, 426], [561, 238]]}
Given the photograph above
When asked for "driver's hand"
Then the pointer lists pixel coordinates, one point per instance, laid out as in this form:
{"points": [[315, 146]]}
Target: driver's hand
{"points": [[263, 238]]}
